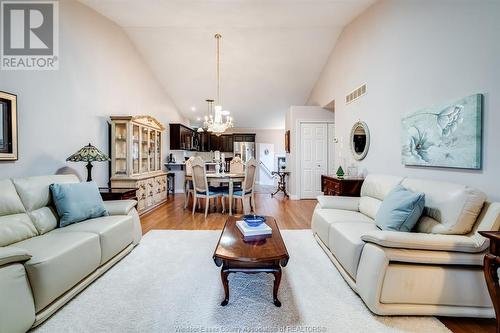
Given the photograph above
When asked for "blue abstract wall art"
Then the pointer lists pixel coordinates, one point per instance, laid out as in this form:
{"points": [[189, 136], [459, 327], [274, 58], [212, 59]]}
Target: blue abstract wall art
{"points": [[448, 135]]}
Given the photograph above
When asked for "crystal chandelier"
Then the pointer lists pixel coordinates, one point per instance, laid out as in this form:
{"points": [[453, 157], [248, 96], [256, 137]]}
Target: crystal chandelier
{"points": [[214, 120]]}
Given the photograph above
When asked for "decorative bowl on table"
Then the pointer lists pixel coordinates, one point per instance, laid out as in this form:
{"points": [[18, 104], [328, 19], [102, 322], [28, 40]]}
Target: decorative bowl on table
{"points": [[253, 220]]}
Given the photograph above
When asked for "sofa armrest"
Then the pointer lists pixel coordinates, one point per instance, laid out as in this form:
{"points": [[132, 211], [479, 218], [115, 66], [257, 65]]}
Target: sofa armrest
{"points": [[338, 202], [11, 254], [423, 241], [126, 207], [119, 207]]}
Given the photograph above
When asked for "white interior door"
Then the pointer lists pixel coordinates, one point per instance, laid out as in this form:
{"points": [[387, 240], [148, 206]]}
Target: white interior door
{"points": [[314, 158], [331, 149]]}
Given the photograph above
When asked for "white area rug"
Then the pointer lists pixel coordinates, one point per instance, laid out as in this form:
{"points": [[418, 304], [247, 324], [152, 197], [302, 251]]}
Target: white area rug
{"points": [[169, 283]]}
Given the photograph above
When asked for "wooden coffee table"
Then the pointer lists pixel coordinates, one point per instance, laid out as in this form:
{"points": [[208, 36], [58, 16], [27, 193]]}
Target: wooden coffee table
{"points": [[267, 255]]}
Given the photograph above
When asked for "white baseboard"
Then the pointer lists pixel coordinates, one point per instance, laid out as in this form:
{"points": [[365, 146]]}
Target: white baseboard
{"points": [[294, 197]]}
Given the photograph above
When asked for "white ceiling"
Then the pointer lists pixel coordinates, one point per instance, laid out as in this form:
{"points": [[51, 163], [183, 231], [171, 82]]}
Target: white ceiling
{"points": [[272, 50]]}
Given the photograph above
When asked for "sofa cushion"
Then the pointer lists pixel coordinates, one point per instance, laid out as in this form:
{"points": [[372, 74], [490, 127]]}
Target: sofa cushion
{"points": [[373, 191], [323, 218], [115, 233], [369, 206], [58, 262], [10, 203], [15, 225], [15, 228], [77, 202], [35, 196], [34, 191], [45, 219], [338, 202], [378, 186], [346, 244], [449, 208], [400, 210]]}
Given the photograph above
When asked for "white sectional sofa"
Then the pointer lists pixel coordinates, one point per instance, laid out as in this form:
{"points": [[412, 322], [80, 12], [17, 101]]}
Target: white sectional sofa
{"points": [[41, 266], [436, 270]]}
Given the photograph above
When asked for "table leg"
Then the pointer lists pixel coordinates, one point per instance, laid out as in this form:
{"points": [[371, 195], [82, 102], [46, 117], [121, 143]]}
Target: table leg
{"points": [[225, 283], [173, 183], [230, 197], [277, 280], [491, 265], [281, 186], [186, 195]]}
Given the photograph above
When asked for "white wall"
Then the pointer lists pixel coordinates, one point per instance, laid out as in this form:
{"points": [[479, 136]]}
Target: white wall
{"points": [[415, 54], [101, 74], [294, 116]]}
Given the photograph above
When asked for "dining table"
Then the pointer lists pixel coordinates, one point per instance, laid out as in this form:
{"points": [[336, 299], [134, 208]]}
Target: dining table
{"points": [[224, 178]]}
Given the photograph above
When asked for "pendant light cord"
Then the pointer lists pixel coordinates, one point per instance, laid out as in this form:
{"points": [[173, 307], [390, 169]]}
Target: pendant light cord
{"points": [[218, 38]]}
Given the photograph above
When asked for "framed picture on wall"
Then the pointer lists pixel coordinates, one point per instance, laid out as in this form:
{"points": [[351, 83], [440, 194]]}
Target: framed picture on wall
{"points": [[8, 127], [287, 141], [447, 135]]}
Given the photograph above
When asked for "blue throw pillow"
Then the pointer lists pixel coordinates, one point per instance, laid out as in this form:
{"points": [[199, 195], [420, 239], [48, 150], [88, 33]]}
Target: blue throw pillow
{"points": [[400, 210], [77, 202]]}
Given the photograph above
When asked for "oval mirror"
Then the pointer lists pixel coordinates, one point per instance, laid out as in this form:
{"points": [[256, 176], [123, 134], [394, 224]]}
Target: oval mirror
{"points": [[360, 140]]}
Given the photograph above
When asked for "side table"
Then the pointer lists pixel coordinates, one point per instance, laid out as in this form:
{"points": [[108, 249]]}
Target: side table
{"points": [[281, 182], [108, 193], [170, 183], [347, 186], [491, 264]]}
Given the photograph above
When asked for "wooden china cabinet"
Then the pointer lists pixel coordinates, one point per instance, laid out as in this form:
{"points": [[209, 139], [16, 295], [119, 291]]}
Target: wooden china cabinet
{"points": [[136, 159]]}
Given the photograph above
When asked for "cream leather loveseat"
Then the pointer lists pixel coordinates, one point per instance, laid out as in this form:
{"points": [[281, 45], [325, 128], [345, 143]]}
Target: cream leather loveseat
{"points": [[42, 266], [436, 270]]}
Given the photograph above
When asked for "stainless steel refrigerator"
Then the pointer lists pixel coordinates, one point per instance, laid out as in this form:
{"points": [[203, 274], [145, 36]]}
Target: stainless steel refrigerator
{"points": [[245, 150]]}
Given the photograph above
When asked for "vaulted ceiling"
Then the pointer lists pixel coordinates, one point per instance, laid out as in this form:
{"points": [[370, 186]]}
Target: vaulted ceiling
{"points": [[272, 50]]}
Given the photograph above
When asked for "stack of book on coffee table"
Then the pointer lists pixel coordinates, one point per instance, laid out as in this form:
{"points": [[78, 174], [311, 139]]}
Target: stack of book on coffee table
{"points": [[254, 233]]}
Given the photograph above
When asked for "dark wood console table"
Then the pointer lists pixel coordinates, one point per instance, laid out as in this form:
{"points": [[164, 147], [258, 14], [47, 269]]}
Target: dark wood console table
{"points": [[108, 193], [348, 186], [491, 264], [281, 182]]}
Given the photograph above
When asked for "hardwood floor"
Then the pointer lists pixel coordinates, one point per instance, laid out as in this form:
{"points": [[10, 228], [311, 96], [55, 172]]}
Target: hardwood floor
{"points": [[172, 215], [289, 215]]}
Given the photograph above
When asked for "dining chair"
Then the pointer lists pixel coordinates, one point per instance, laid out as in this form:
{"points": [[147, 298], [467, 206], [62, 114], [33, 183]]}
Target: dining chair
{"points": [[188, 184], [247, 187], [236, 165], [200, 185]]}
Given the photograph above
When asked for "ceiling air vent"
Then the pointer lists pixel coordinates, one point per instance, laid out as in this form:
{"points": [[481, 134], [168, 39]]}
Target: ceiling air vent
{"points": [[355, 94]]}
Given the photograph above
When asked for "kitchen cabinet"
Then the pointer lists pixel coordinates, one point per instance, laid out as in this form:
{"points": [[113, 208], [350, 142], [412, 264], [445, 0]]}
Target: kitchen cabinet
{"points": [[223, 143], [204, 141], [242, 137], [185, 138], [215, 142], [226, 143], [182, 138]]}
